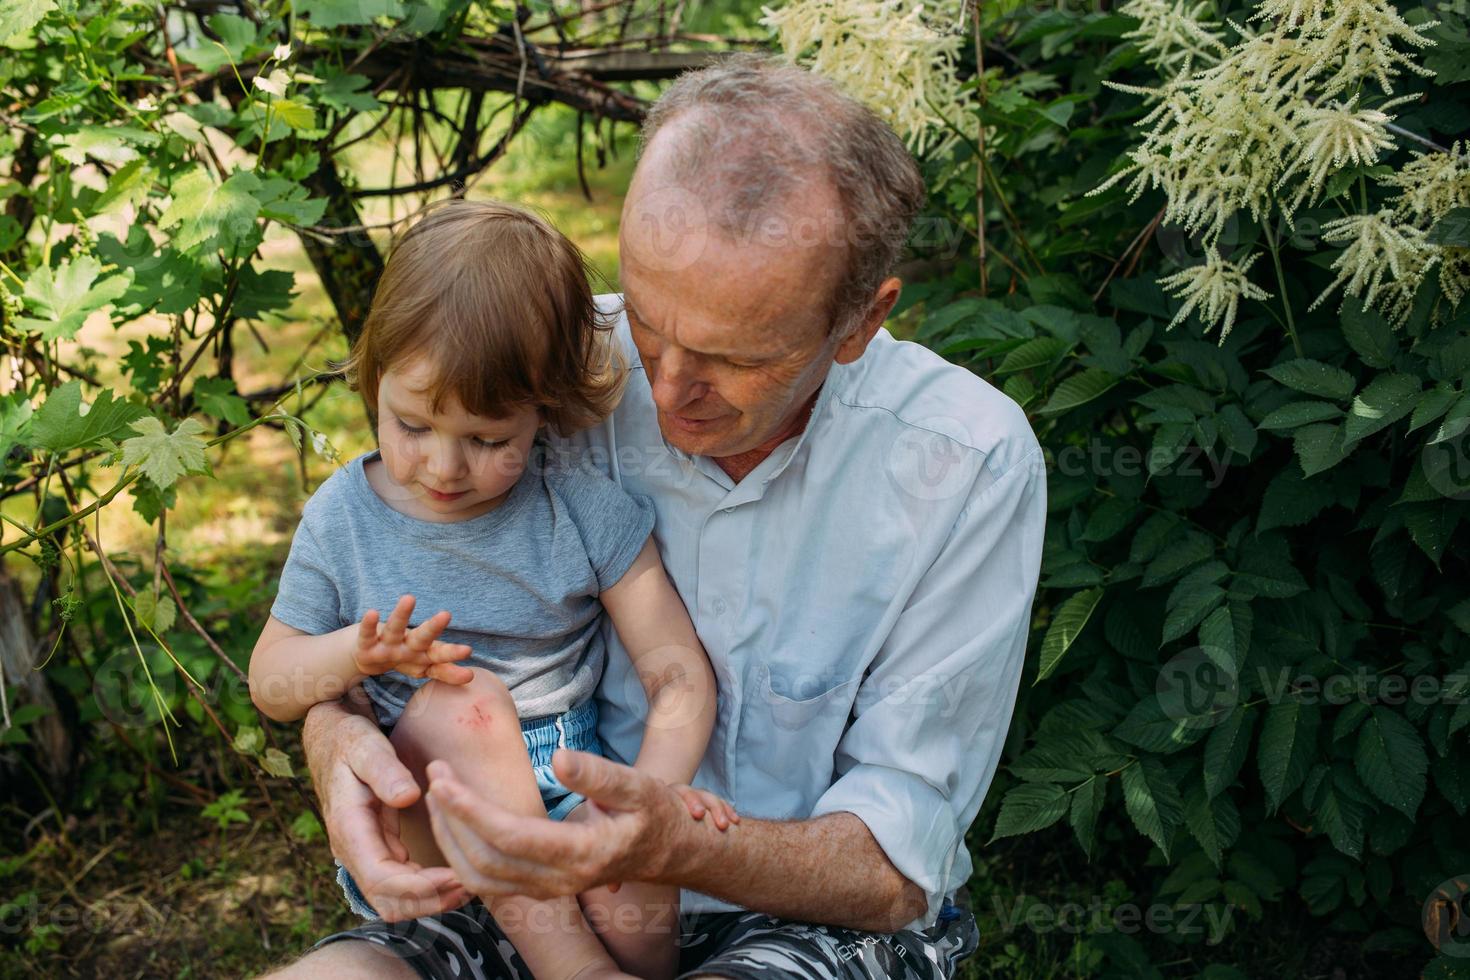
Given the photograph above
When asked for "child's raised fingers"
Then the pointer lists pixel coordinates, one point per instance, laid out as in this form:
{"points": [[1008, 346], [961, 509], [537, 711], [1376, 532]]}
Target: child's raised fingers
{"points": [[447, 653], [367, 633], [428, 631], [397, 623]]}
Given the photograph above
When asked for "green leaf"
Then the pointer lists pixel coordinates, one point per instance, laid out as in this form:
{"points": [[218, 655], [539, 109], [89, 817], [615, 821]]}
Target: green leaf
{"points": [[1152, 801], [1152, 729], [1288, 748], [1388, 398], [158, 613], [129, 184], [1369, 335], [1391, 761], [1452, 230], [64, 297], [1034, 353], [1431, 525], [1239, 435], [1292, 500], [236, 35], [1266, 570], [59, 426], [1319, 447], [1452, 777], [209, 214], [216, 396], [1079, 389], [1184, 552], [1214, 822], [1342, 815], [112, 145], [1044, 764], [340, 13], [1071, 616], [1226, 749], [1194, 598], [165, 457], [277, 763], [344, 91], [1087, 803], [1300, 413], [1030, 807], [1432, 404], [1110, 518], [1314, 378], [249, 740], [19, 16], [295, 113], [15, 423]]}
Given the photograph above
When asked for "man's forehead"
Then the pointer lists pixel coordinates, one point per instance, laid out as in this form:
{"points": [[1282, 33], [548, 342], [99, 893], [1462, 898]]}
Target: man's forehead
{"points": [[733, 329]]}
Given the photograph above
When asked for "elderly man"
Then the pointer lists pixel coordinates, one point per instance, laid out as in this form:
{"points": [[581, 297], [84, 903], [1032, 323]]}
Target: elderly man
{"points": [[855, 527]]}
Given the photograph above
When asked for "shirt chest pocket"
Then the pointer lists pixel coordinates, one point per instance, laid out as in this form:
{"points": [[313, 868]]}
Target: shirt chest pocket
{"points": [[793, 721]]}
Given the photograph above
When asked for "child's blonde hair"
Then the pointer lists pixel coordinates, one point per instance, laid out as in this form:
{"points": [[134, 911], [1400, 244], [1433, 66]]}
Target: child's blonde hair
{"points": [[499, 302]]}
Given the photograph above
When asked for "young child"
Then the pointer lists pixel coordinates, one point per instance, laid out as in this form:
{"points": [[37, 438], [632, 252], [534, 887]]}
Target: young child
{"points": [[483, 330]]}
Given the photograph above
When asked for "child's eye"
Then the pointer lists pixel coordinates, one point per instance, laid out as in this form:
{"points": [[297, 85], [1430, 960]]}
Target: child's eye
{"points": [[410, 430], [490, 443]]}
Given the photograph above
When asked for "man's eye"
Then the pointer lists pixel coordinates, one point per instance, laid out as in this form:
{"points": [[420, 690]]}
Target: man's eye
{"points": [[410, 429]]}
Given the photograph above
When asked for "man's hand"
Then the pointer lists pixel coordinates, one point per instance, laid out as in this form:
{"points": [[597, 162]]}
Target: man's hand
{"points": [[634, 823], [417, 652], [362, 786]]}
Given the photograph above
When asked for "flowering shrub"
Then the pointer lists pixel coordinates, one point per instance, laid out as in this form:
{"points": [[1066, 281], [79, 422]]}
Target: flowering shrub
{"points": [[1252, 653]]}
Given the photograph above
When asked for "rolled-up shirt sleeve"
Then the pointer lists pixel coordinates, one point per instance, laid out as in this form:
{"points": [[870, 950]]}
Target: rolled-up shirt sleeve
{"points": [[933, 709]]}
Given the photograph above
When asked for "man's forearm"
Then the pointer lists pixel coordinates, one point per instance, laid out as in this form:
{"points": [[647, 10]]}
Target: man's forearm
{"points": [[828, 870]]}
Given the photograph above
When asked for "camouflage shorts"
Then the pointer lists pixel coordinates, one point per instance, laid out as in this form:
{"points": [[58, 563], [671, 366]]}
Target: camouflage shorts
{"points": [[467, 944]]}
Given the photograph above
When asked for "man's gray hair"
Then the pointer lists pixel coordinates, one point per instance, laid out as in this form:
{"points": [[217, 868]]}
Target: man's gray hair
{"points": [[754, 131]]}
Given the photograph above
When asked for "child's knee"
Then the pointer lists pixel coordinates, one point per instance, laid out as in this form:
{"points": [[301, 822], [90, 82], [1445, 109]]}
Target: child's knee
{"points": [[444, 715]]}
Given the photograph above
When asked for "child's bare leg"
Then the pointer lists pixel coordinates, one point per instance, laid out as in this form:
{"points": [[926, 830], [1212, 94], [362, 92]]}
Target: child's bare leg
{"points": [[638, 923], [475, 729]]}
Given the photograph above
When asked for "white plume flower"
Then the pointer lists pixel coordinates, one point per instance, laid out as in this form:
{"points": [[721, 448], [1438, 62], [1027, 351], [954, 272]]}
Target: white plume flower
{"points": [[885, 53], [1215, 289], [1379, 249], [1174, 35], [1330, 138]]}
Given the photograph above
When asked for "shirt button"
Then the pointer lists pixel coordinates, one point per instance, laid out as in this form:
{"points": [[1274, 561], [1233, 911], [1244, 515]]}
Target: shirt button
{"points": [[728, 510], [720, 607]]}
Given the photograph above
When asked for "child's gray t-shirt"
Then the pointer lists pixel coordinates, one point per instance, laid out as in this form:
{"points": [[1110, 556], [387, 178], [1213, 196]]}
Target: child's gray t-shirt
{"points": [[521, 582]]}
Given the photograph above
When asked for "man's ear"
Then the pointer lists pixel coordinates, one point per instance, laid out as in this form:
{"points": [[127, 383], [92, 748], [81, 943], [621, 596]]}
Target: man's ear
{"points": [[858, 339]]}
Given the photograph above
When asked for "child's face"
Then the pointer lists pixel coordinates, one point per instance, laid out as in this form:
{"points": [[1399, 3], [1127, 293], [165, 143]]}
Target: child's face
{"points": [[451, 465]]}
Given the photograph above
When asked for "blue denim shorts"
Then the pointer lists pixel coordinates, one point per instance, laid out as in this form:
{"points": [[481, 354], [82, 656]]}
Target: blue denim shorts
{"points": [[575, 729]]}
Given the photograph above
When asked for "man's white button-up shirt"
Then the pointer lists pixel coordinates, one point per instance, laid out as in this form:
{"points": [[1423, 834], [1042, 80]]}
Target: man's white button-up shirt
{"points": [[863, 594]]}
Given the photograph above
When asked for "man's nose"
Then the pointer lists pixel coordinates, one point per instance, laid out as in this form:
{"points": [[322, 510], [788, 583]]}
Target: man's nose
{"points": [[676, 380]]}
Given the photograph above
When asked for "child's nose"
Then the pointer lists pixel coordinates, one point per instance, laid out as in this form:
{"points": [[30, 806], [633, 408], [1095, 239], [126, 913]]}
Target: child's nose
{"points": [[447, 462]]}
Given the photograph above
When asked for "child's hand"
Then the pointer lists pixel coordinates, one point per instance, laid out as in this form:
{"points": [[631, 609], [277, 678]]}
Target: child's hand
{"points": [[701, 802], [416, 652]]}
